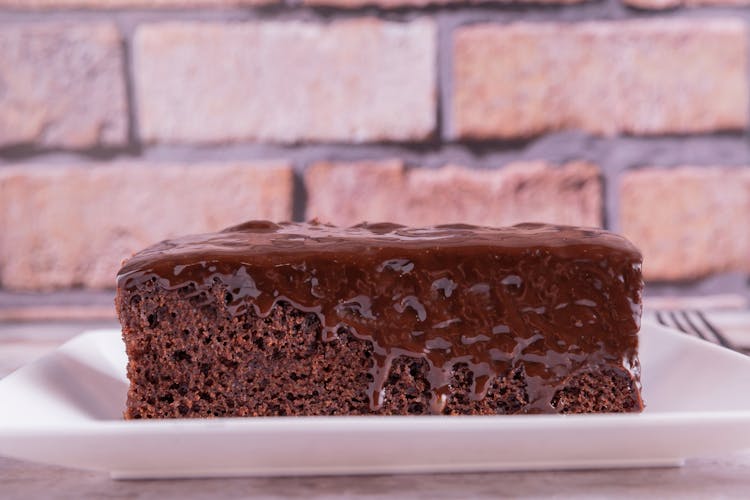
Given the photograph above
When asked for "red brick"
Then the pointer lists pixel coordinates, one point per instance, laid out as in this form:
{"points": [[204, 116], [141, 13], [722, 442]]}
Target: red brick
{"points": [[118, 4], [631, 77], [62, 85], [668, 4], [653, 4], [347, 194], [66, 226], [355, 80], [389, 4], [689, 221]]}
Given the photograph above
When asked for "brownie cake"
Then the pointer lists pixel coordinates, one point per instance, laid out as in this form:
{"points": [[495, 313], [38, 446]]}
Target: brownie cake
{"points": [[309, 319]]}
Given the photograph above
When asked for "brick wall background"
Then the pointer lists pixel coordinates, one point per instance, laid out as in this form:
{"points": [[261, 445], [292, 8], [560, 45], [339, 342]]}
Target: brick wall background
{"points": [[124, 122]]}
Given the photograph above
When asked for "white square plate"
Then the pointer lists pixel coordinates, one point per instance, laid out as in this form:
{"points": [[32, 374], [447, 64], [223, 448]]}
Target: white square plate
{"points": [[66, 409]]}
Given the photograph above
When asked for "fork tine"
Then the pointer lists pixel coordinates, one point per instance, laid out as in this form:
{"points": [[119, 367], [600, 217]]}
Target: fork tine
{"points": [[685, 315], [694, 322], [681, 327], [721, 338], [661, 319]]}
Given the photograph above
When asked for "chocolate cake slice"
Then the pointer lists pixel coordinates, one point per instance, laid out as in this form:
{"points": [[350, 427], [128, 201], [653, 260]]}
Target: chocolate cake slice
{"points": [[311, 319]]}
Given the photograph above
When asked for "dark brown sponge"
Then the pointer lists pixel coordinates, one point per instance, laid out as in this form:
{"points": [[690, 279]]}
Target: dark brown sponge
{"points": [[190, 356]]}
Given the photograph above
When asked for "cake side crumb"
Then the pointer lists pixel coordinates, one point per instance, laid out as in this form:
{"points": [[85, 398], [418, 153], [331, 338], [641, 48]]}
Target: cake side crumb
{"points": [[188, 357]]}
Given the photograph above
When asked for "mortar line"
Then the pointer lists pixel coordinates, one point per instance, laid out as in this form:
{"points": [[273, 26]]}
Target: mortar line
{"points": [[494, 12], [299, 192], [611, 175], [128, 74], [444, 73], [560, 147]]}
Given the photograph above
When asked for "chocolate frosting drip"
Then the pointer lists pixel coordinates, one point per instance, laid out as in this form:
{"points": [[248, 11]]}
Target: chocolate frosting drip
{"points": [[555, 299]]}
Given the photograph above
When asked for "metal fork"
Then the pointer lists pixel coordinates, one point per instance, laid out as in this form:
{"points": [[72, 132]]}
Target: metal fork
{"points": [[694, 322]]}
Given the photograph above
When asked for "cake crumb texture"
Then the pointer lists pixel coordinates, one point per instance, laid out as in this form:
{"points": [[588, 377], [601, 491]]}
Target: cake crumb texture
{"points": [[189, 357]]}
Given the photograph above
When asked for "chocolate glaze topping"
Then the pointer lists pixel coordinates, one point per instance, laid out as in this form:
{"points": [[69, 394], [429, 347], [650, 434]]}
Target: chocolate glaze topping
{"points": [[558, 300]]}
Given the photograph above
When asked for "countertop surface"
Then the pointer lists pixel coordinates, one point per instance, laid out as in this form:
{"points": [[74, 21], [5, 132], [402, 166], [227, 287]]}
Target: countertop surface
{"points": [[727, 476]]}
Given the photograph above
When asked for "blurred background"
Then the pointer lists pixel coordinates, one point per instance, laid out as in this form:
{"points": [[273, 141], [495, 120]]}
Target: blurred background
{"points": [[125, 122]]}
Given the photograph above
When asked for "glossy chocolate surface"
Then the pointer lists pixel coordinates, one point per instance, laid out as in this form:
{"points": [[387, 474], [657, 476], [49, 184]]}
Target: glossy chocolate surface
{"points": [[558, 300]]}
